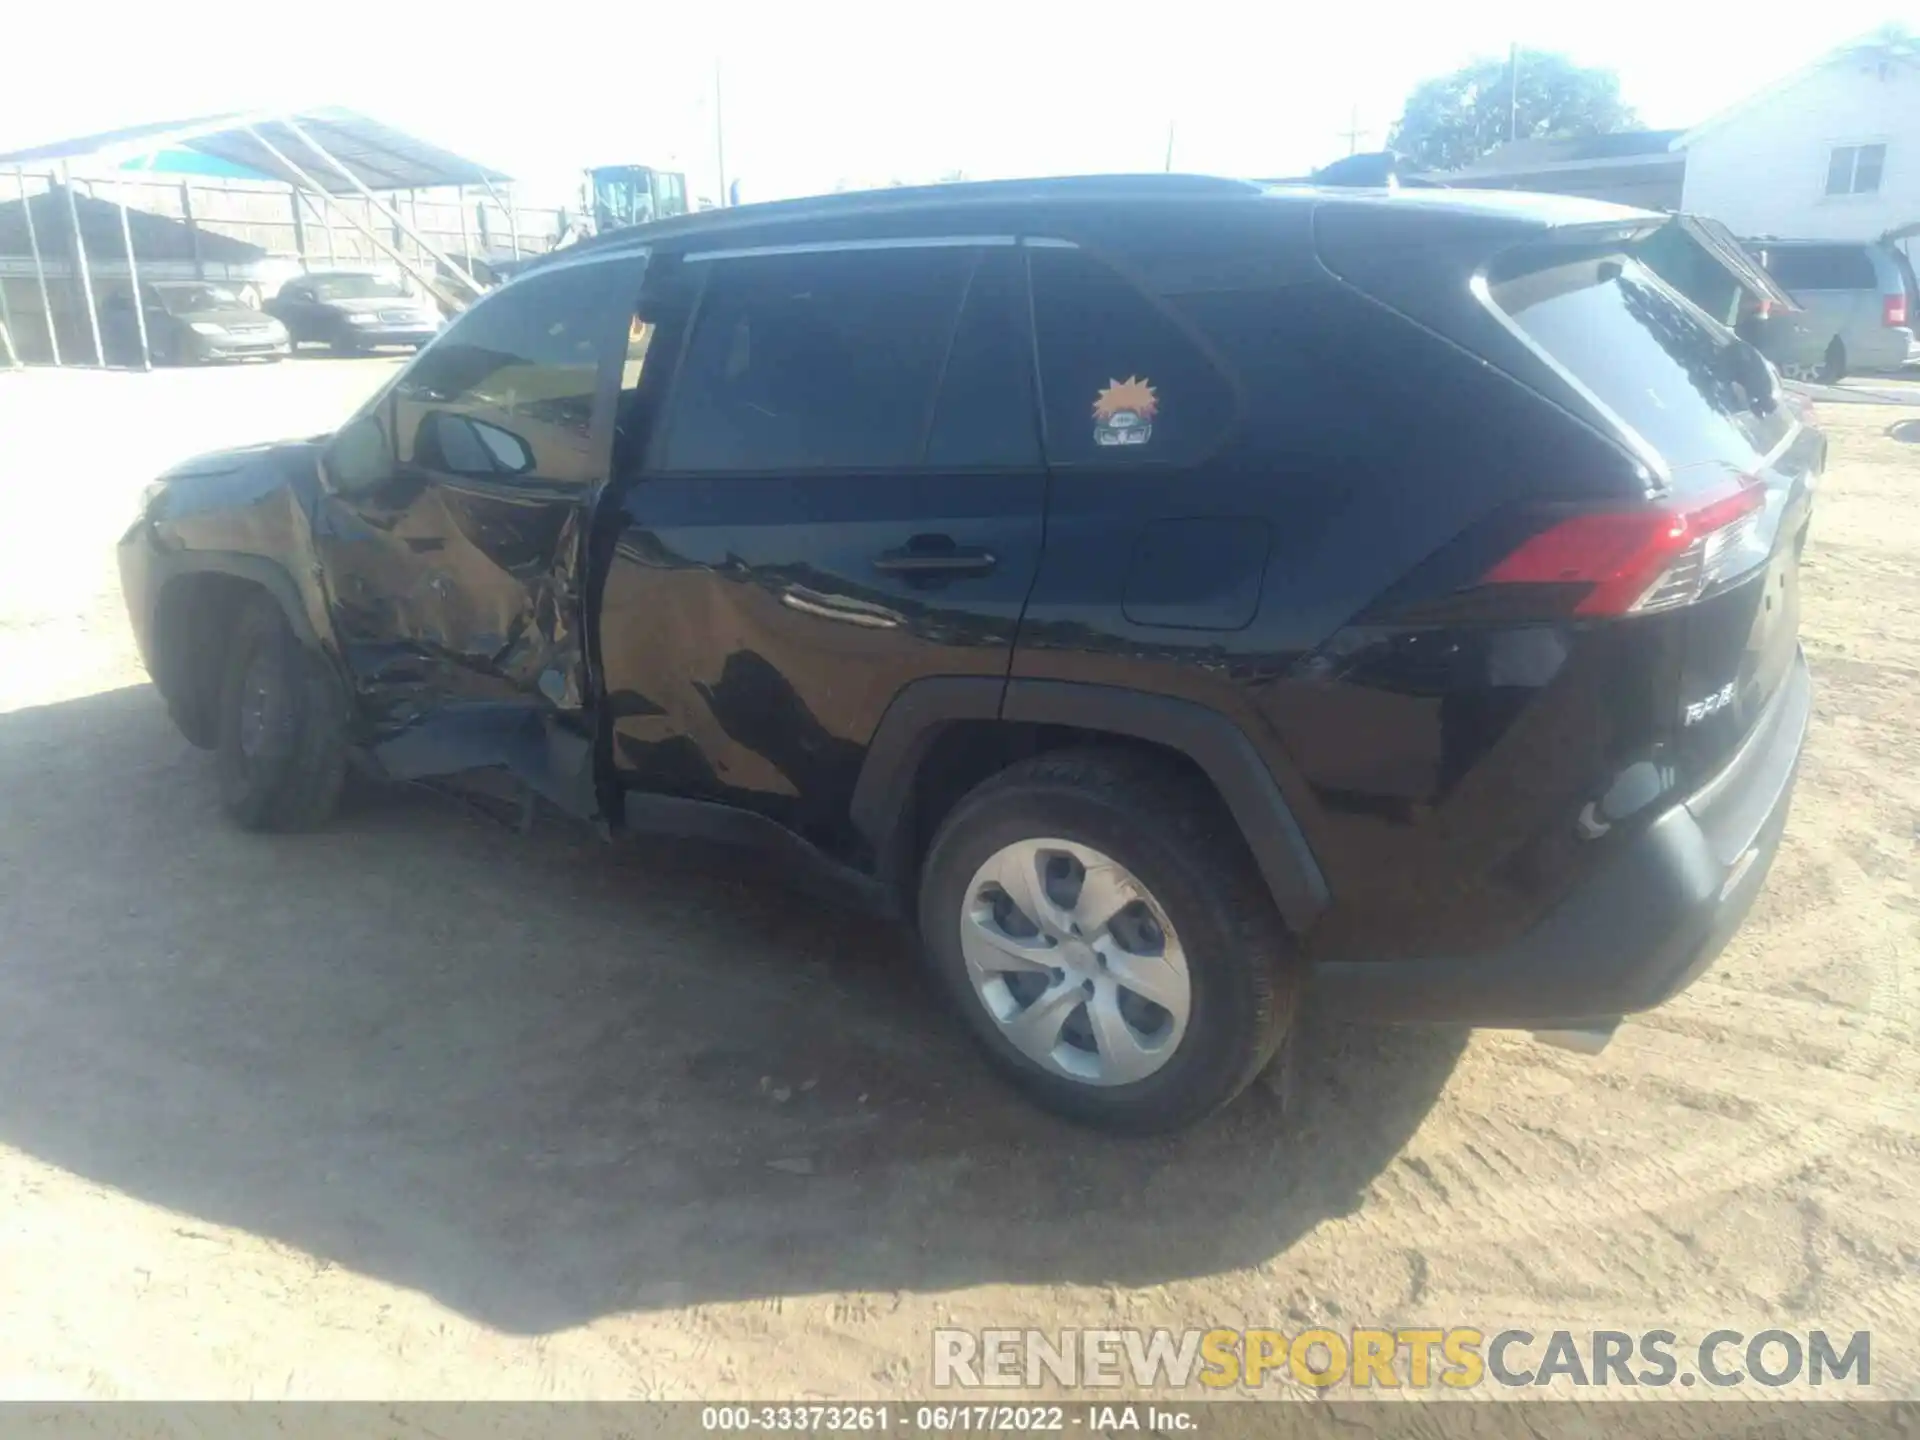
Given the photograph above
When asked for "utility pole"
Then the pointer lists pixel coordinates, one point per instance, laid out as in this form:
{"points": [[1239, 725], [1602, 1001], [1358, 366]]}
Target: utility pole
{"points": [[1168, 167], [1353, 133], [719, 135], [1513, 91]]}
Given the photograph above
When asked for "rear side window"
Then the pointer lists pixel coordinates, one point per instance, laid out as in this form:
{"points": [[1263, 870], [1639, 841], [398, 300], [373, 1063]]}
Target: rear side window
{"points": [[1679, 380], [1821, 267], [1122, 381], [826, 360]]}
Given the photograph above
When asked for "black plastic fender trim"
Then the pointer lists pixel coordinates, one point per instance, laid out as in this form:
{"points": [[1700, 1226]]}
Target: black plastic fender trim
{"points": [[882, 796], [269, 575], [881, 802], [1220, 748]]}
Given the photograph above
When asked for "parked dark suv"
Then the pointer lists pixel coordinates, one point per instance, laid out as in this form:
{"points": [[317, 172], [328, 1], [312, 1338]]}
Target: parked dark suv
{"points": [[1172, 591]]}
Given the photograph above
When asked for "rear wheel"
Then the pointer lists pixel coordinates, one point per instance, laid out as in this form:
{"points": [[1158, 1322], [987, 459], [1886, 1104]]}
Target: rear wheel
{"points": [[282, 753], [1101, 927], [1833, 369]]}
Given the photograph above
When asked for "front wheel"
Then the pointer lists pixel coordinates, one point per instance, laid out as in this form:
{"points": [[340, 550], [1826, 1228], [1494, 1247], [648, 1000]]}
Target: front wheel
{"points": [[1099, 923], [281, 752]]}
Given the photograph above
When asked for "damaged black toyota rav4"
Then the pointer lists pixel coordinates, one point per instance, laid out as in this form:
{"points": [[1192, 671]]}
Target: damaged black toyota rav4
{"points": [[1173, 592]]}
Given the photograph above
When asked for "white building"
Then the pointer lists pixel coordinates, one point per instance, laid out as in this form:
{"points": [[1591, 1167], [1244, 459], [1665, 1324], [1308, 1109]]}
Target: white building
{"points": [[1832, 152]]}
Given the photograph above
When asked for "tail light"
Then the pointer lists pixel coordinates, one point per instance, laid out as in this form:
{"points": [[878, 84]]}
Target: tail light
{"points": [[1893, 310], [1650, 558]]}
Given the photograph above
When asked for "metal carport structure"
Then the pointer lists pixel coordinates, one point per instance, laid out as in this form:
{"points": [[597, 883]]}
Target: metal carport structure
{"points": [[322, 154]]}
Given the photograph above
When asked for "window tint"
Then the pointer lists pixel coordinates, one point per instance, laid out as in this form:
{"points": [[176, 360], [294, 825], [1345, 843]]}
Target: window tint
{"points": [[815, 361], [985, 414], [1122, 381], [1821, 267], [525, 364], [1666, 370]]}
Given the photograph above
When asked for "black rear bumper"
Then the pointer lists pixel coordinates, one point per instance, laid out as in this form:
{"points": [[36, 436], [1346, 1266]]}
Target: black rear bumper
{"points": [[1642, 930]]}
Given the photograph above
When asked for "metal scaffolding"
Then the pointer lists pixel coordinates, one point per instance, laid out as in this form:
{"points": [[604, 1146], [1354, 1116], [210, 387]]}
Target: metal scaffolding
{"points": [[357, 157]]}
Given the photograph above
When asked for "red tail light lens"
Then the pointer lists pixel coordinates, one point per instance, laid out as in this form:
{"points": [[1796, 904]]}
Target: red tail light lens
{"points": [[1651, 558], [1894, 310]]}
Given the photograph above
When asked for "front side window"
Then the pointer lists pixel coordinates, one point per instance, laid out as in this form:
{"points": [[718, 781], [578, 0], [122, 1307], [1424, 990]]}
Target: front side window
{"points": [[510, 387], [186, 299], [1855, 169], [822, 360], [1122, 380]]}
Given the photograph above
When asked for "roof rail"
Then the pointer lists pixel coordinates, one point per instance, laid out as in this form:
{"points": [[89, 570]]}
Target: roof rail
{"points": [[853, 202]]}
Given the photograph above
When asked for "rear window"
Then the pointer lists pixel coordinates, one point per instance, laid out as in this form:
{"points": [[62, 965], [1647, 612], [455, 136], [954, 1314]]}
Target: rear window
{"points": [[1683, 383], [1821, 267]]}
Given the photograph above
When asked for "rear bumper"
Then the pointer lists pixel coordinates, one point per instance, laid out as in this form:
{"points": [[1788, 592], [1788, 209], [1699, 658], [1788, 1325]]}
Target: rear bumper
{"points": [[1636, 934], [1886, 347]]}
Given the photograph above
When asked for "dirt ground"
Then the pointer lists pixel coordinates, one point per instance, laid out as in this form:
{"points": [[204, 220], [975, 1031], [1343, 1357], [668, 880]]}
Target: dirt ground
{"points": [[419, 1107]]}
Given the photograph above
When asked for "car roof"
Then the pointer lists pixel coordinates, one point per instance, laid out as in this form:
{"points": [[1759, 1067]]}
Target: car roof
{"points": [[968, 202]]}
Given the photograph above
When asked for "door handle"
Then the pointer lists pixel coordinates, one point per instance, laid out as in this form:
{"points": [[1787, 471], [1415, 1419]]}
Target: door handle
{"points": [[935, 555]]}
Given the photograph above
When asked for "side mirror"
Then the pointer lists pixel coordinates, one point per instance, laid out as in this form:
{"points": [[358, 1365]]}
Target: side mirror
{"points": [[358, 458], [462, 445]]}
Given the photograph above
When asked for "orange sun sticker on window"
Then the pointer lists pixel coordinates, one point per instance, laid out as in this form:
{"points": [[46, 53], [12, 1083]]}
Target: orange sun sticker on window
{"points": [[1123, 413]]}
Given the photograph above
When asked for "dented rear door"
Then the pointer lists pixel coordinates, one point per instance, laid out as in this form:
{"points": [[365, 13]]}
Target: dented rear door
{"points": [[457, 575]]}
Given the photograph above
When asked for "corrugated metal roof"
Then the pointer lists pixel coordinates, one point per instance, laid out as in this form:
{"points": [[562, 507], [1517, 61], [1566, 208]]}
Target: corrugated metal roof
{"points": [[1522, 155], [155, 237], [381, 156]]}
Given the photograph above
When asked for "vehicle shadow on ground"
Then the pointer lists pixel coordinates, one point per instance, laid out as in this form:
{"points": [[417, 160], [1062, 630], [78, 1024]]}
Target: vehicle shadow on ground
{"points": [[544, 1079]]}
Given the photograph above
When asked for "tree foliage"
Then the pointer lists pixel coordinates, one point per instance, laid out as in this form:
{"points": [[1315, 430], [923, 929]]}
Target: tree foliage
{"points": [[1453, 120]]}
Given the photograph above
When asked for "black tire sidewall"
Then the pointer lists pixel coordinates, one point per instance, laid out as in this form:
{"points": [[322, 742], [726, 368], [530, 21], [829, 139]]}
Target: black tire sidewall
{"points": [[1225, 1041], [1833, 364], [251, 784]]}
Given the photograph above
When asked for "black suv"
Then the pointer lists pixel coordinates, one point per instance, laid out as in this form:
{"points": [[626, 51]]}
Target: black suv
{"points": [[1173, 591]]}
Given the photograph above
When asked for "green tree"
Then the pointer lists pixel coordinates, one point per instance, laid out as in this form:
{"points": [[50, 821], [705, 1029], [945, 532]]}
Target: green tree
{"points": [[1453, 120]]}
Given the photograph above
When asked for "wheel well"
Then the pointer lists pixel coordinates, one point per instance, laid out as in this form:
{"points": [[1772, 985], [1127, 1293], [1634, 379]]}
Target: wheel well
{"points": [[191, 624], [968, 752]]}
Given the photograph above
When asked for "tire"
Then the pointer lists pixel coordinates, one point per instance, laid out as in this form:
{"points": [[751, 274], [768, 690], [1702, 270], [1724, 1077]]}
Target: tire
{"points": [[282, 752], [1189, 872], [1833, 369]]}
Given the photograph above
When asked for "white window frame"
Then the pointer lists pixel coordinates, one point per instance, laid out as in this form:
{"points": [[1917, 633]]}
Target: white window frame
{"points": [[1853, 171]]}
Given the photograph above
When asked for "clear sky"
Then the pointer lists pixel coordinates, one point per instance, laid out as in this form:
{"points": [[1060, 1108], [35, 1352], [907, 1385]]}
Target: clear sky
{"points": [[849, 92]]}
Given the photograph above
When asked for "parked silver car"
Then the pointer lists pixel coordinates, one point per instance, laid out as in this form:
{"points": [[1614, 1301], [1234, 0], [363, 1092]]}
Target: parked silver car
{"points": [[1858, 296]]}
